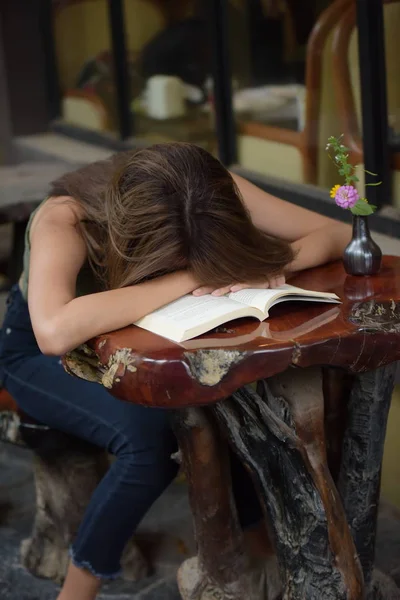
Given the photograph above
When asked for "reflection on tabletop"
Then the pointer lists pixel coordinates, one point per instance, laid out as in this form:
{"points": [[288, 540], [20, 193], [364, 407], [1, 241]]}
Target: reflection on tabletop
{"points": [[227, 335]]}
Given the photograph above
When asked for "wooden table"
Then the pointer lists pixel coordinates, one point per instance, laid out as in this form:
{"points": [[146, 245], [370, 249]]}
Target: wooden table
{"points": [[312, 436]]}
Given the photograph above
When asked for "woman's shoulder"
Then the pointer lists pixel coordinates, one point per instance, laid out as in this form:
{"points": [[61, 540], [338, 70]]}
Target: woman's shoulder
{"points": [[60, 209]]}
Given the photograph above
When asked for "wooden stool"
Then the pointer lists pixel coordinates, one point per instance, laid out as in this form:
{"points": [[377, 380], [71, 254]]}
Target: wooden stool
{"points": [[67, 471]]}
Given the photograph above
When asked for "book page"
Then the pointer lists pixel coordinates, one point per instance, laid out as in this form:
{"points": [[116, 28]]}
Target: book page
{"points": [[264, 299], [191, 310], [191, 315], [256, 298]]}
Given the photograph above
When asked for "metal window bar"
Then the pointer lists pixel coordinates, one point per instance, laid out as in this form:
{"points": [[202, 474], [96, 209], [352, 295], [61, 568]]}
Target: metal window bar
{"points": [[224, 116], [371, 45], [121, 69], [50, 58]]}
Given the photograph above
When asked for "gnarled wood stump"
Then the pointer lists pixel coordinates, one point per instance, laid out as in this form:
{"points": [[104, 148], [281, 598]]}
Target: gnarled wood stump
{"points": [[324, 540], [279, 435], [67, 471], [222, 569], [360, 470]]}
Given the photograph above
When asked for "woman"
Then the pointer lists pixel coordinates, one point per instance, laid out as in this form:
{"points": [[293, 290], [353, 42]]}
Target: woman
{"points": [[113, 242]]}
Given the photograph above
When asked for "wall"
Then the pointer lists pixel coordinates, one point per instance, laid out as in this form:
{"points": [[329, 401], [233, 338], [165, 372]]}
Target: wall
{"points": [[25, 65]]}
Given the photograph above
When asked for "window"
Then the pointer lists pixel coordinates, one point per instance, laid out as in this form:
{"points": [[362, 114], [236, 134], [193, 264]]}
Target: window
{"points": [[284, 100], [263, 83], [136, 69], [84, 61]]}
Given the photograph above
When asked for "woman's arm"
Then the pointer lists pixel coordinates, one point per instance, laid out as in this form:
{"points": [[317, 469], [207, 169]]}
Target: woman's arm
{"points": [[60, 321], [320, 247], [315, 238]]}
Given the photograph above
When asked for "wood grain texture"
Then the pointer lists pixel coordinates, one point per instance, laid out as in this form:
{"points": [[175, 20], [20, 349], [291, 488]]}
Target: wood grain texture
{"points": [[363, 444], [336, 386], [278, 433], [221, 563], [359, 335]]}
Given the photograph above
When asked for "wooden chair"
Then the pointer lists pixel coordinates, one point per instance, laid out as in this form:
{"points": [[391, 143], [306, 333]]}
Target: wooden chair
{"points": [[346, 83], [300, 156]]}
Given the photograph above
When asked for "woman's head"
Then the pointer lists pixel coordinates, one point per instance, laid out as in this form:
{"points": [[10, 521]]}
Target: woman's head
{"points": [[168, 207]]}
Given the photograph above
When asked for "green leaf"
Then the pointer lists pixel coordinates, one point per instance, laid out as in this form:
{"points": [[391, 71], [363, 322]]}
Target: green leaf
{"points": [[362, 208], [341, 172], [353, 178]]}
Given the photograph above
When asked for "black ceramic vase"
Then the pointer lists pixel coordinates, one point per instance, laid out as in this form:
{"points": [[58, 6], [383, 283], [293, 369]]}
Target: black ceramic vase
{"points": [[362, 256]]}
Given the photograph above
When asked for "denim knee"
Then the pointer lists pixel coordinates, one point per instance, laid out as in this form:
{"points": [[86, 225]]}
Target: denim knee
{"points": [[134, 482], [152, 466]]}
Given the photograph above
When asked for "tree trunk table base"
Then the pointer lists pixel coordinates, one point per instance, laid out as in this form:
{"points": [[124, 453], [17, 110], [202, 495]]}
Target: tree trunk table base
{"points": [[324, 538], [206, 465]]}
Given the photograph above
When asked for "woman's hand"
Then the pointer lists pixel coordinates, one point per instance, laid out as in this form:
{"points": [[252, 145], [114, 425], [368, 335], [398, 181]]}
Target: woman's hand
{"points": [[273, 282]]}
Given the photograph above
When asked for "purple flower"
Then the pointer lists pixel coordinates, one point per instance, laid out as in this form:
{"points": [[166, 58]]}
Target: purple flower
{"points": [[347, 196]]}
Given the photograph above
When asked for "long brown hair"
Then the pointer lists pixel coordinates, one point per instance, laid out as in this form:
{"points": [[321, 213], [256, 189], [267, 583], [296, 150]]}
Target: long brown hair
{"points": [[167, 207]]}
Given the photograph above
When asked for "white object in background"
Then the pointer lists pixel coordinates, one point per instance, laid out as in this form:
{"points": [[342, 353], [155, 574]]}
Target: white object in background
{"points": [[165, 97], [193, 93], [301, 107]]}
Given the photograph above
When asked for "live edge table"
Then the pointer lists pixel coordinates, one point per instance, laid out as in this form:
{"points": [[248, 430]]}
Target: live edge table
{"points": [[311, 436]]}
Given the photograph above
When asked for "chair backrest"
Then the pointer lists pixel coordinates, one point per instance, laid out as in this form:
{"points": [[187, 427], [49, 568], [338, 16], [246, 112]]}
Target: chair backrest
{"points": [[321, 117], [81, 29], [346, 77], [321, 114]]}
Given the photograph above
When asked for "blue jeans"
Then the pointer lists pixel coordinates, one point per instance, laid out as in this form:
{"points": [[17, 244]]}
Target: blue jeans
{"points": [[140, 438]]}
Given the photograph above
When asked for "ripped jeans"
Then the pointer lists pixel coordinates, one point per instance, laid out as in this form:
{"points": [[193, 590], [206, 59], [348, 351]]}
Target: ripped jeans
{"points": [[140, 438]]}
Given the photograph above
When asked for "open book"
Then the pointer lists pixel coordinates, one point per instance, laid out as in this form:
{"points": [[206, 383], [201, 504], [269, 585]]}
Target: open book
{"points": [[191, 316]]}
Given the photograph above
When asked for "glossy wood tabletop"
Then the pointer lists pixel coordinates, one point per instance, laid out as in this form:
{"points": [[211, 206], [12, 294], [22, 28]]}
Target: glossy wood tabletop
{"points": [[360, 334]]}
